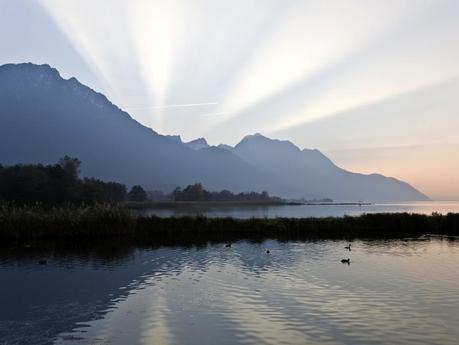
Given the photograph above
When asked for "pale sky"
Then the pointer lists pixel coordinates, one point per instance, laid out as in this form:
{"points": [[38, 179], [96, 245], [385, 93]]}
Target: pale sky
{"points": [[373, 84]]}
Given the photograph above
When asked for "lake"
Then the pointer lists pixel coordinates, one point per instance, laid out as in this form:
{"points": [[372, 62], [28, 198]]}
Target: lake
{"points": [[393, 292], [300, 211]]}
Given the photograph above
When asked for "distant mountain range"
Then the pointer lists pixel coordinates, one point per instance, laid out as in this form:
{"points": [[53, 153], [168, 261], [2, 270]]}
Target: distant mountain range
{"points": [[44, 117]]}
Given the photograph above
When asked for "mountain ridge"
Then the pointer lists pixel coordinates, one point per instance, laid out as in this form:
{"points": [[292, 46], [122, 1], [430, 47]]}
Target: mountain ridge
{"points": [[44, 116]]}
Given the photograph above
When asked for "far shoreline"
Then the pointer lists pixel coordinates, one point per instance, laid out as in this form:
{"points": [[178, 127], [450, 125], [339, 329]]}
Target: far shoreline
{"points": [[179, 204]]}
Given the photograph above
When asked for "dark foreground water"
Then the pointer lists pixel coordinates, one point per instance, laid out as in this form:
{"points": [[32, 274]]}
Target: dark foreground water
{"points": [[393, 292], [301, 211]]}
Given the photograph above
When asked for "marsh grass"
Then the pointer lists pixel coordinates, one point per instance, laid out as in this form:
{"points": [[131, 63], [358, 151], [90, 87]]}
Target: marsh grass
{"points": [[114, 220], [68, 221]]}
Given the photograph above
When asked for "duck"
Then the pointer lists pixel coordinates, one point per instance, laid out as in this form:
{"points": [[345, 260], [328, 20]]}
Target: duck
{"points": [[42, 262], [228, 245], [348, 247], [346, 261], [267, 252]]}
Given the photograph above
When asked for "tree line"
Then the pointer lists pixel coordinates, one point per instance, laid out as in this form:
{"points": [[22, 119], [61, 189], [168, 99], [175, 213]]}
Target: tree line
{"points": [[196, 192], [58, 184]]}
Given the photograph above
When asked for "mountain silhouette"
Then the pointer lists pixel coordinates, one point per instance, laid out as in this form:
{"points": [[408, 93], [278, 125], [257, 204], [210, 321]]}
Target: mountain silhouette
{"points": [[311, 171], [44, 117], [197, 144]]}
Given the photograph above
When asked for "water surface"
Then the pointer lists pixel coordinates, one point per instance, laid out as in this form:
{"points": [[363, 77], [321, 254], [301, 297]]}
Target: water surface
{"points": [[299, 211], [393, 292]]}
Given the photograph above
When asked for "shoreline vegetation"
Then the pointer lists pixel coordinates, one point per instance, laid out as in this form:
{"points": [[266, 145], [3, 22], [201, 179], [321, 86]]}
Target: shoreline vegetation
{"points": [[60, 184], [100, 221], [53, 202]]}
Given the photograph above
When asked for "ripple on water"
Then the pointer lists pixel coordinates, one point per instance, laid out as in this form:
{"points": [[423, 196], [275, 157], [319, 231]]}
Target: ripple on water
{"points": [[398, 292]]}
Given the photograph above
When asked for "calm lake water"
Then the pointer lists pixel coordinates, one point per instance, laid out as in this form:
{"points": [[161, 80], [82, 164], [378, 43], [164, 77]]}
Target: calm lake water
{"points": [[299, 211], [393, 292]]}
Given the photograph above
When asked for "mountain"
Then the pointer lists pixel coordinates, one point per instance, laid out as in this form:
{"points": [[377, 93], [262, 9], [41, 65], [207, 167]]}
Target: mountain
{"points": [[197, 144], [224, 146], [314, 173], [44, 117]]}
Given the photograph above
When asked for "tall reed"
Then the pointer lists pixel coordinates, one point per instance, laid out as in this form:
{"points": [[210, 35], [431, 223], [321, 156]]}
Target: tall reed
{"points": [[113, 220]]}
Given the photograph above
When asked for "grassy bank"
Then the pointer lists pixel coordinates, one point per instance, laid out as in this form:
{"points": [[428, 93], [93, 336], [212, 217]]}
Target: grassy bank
{"points": [[103, 221]]}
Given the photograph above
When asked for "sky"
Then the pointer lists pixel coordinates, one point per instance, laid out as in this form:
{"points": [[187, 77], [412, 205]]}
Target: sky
{"points": [[372, 84]]}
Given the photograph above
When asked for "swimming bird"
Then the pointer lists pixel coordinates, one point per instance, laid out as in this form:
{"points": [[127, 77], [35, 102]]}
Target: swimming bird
{"points": [[348, 247], [228, 245], [42, 262], [346, 261], [267, 252]]}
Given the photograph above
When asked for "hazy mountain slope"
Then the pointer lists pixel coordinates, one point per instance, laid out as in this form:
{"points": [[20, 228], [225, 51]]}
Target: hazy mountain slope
{"points": [[44, 117], [313, 175]]}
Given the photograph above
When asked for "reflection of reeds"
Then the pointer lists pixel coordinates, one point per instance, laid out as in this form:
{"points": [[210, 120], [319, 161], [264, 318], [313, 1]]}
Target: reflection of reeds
{"points": [[104, 220]]}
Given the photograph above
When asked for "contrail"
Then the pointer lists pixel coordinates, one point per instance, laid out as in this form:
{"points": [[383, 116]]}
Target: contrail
{"points": [[176, 106]]}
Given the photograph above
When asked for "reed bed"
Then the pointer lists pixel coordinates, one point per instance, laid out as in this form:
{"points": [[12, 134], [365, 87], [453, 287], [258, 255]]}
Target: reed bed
{"points": [[37, 221], [113, 220]]}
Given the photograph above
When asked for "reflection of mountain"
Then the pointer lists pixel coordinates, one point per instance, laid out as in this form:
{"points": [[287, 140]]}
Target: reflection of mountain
{"points": [[39, 302], [44, 117], [82, 284], [238, 295]]}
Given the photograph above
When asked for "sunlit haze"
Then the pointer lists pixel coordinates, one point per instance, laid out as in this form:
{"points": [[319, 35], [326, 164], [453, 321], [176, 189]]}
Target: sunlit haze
{"points": [[372, 84]]}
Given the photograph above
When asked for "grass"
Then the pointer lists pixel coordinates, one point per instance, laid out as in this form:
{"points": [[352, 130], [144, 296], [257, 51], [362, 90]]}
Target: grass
{"points": [[108, 221], [37, 221]]}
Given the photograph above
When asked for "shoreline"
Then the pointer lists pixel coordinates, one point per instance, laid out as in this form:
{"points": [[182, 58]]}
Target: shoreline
{"points": [[179, 204]]}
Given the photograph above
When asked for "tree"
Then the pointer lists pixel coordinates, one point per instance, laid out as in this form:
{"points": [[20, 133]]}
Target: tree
{"points": [[176, 194], [71, 166], [55, 184], [137, 193], [194, 192], [264, 195]]}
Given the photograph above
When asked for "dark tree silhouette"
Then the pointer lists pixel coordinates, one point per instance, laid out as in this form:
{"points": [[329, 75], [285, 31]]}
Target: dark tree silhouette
{"points": [[71, 166], [137, 193], [196, 192], [55, 184]]}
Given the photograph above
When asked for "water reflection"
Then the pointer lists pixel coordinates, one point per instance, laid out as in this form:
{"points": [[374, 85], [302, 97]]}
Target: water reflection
{"points": [[397, 292]]}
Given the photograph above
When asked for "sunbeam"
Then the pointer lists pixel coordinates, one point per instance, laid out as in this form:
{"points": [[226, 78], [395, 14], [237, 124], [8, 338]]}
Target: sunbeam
{"points": [[311, 37], [224, 69], [391, 65]]}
